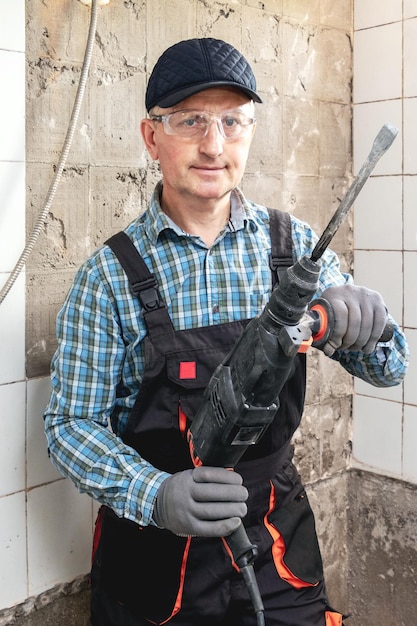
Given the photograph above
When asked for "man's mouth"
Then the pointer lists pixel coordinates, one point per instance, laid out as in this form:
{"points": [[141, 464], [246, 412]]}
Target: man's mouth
{"points": [[209, 168]]}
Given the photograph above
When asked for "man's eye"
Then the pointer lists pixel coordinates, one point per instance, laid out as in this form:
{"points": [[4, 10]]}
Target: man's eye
{"points": [[230, 121], [195, 120]]}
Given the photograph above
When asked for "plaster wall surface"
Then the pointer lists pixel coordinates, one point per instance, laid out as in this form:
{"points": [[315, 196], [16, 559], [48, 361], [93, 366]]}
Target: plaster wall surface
{"points": [[300, 158]]}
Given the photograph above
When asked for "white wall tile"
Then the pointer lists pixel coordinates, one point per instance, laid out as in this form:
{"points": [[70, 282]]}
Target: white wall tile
{"points": [[378, 214], [410, 8], [410, 289], [12, 332], [39, 468], [382, 271], [410, 212], [59, 535], [12, 440], [410, 56], [12, 107], [410, 438], [12, 25], [377, 68], [368, 13], [13, 576], [13, 561], [377, 434], [368, 120], [390, 226], [410, 136], [394, 394], [410, 386], [12, 214]]}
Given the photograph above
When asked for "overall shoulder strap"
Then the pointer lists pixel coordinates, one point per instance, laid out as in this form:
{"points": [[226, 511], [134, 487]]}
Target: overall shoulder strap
{"points": [[281, 257], [143, 283]]}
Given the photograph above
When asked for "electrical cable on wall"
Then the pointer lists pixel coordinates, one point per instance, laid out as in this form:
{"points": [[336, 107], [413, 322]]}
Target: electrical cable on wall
{"points": [[64, 153]]}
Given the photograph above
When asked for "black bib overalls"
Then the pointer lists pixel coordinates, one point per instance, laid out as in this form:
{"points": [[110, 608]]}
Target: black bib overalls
{"points": [[160, 577]]}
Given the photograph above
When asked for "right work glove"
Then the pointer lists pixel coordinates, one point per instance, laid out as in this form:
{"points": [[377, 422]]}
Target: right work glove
{"points": [[360, 316], [204, 501]]}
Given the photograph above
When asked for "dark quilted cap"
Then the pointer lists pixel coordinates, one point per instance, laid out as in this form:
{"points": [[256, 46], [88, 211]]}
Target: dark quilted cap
{"points": [[196, 64]]}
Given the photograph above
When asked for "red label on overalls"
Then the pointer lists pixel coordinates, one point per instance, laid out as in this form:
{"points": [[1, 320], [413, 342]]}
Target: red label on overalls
{"points": [[188, 370]]}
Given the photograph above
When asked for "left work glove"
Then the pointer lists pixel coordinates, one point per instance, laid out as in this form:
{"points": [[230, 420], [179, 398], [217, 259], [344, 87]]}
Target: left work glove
{"points": [[360, 316], [204, 502]]}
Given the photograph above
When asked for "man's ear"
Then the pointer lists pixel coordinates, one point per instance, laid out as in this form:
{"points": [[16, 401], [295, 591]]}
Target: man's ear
{"points": [[147, 129]]}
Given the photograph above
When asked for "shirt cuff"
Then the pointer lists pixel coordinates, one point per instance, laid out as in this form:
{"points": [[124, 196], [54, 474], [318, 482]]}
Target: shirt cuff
{"points": [[142, 495]]}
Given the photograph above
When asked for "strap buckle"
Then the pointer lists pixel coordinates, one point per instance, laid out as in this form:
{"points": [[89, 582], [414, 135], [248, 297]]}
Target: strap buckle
{"points": [[279, 264], [148, 294]]}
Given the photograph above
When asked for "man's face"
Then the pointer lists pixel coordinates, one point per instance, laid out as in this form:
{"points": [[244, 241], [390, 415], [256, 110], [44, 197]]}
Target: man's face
{"points": [[204, 168]]}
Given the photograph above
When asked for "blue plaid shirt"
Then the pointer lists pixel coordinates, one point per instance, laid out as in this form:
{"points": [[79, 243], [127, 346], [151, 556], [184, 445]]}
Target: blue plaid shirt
{"points": [[99, 363]]}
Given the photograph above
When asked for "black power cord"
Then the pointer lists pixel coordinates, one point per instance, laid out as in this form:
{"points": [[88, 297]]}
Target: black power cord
{"points": [[249, 577]]}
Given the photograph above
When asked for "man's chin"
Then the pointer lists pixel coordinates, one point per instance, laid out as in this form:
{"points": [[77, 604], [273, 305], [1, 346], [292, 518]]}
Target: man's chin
{"points": [[212, 190]]}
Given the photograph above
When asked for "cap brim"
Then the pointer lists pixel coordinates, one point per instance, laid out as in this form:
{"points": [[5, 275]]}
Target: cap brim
{"points": [[179, 95]]}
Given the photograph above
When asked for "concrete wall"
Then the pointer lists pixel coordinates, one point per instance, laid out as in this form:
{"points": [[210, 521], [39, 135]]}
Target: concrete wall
{"points": [[382, 547], [301, 161]]}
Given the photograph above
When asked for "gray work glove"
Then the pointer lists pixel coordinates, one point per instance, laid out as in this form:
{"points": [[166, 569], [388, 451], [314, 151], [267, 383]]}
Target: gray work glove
{"points": [[205, 501], [360, 316]]}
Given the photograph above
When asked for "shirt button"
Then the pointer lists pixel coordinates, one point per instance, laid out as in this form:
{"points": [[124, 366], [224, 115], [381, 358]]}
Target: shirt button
{"points": [[216, 308]]}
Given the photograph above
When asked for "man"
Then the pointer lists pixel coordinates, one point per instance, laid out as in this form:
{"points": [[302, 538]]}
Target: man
{"points": [[137, 346]]}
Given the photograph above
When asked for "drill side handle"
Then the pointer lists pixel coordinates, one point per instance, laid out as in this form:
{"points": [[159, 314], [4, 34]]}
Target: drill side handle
{"points": [[322, 323]]}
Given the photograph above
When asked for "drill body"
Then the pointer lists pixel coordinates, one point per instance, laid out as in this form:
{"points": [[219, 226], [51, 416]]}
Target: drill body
{"points": [[242, 396]]}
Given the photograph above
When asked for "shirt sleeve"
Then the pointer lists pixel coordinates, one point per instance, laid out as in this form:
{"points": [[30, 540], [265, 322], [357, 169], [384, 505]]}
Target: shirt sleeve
{"points": [[86, 370], [388, 364]]}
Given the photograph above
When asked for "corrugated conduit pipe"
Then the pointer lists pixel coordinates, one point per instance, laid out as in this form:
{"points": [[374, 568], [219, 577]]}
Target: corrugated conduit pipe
{"points": [[63, 158]]}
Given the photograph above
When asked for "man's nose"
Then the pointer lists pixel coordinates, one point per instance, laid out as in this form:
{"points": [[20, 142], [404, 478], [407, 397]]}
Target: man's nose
{"points": [[213, 139]]}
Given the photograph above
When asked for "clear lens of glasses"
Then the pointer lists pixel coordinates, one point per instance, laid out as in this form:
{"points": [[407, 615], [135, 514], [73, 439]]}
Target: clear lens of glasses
{"points": [[195, 124]]}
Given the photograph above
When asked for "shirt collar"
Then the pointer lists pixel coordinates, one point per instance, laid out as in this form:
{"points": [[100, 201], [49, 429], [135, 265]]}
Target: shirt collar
{"points": [[241, 214], [156, 221]]}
